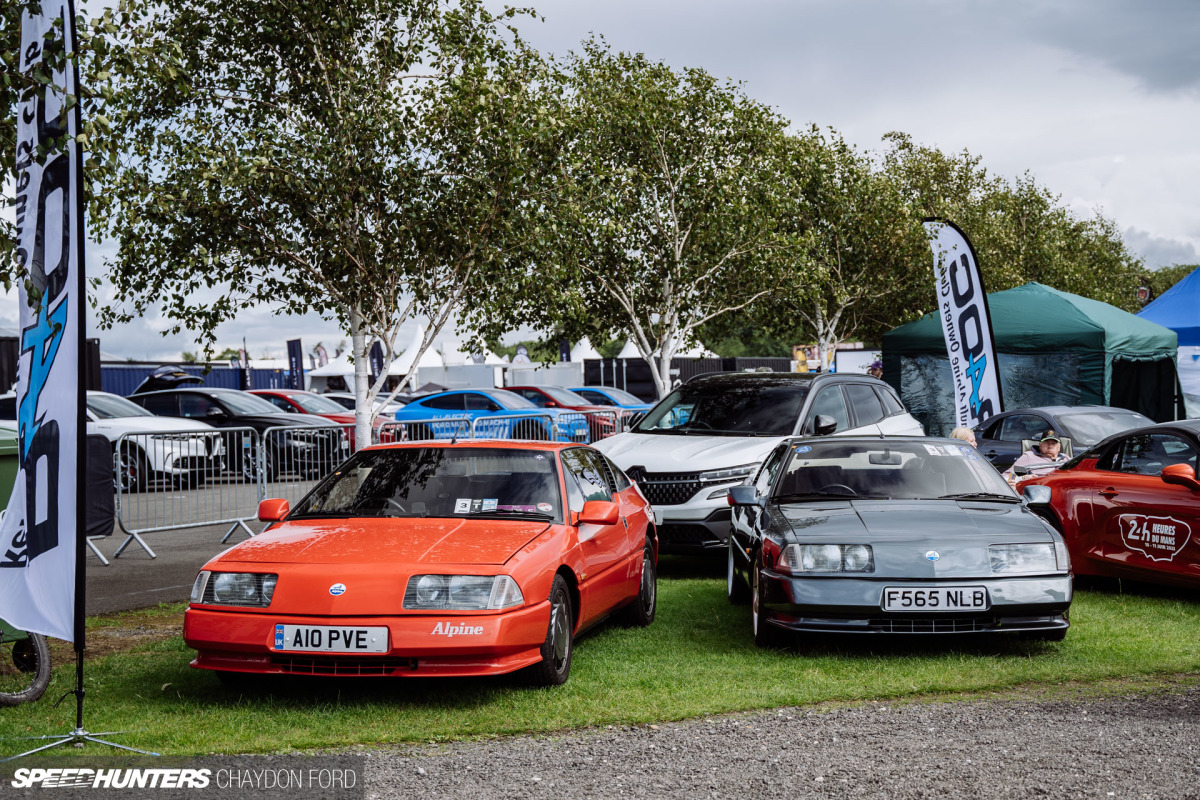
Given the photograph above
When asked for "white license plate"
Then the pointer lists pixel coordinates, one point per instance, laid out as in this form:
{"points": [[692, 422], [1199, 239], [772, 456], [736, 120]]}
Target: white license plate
{"points": [[331, 638], [957, 598]]}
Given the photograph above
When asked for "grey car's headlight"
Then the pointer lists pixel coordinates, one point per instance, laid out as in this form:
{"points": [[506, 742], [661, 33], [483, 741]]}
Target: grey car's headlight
{"points": [[246, 589], [801, 558], [1023, 559], [462, 592]]}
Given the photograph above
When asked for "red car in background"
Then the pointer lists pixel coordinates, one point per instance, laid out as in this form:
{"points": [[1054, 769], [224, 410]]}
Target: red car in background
{"points": [[602, 420], [432, 559], [294, 401], [1130, 506]]}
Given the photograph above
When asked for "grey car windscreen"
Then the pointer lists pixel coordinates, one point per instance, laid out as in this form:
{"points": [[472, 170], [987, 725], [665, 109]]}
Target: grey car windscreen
{"points": [[756, 408], [884, 469]]}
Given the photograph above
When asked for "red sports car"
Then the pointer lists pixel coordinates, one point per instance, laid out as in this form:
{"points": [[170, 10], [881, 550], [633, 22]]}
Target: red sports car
{"points": [[1130, 506], [602, 421], [294, 401], [432, 559]]}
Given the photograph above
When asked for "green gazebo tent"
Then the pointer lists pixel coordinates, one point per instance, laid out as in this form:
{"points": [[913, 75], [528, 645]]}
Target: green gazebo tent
{"points": [[1053, 348]]}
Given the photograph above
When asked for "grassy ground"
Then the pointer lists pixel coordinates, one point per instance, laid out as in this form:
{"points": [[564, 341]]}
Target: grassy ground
{"points": [[696, 659]]}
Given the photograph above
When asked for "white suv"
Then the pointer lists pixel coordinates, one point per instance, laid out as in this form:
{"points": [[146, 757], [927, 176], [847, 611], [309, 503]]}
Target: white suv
{"points": [[714, 431]]}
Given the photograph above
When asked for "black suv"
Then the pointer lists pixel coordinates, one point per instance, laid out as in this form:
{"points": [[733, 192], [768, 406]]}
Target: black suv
{"points": [[310, 446]]}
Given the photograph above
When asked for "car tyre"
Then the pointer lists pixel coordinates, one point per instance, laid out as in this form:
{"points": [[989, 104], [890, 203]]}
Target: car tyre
{"points": [[764, 635], [250, 466], [132, 470], [640, 613], [24, 669], [559, 647], [735, 588]]}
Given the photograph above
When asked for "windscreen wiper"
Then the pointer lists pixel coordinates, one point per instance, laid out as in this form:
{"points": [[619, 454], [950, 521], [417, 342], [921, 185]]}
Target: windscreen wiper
{"points": [[786, 498], [1008, 498], [509, 512]]}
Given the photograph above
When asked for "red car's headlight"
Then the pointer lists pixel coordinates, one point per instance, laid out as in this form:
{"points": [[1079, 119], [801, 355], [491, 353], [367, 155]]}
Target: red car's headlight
{"points": [[247, 589], [462, 592]]}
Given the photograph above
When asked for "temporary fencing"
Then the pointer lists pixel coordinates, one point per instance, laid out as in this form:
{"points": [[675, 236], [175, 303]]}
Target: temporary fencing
{"points": [[172, 480]]}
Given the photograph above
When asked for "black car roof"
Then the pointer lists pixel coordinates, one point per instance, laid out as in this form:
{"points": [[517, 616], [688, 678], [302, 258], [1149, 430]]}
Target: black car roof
{"points": [[783, 377]]}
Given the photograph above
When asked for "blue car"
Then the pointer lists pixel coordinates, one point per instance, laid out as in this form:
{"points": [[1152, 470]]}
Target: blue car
{"points": [[608, 396], [489, 414]]}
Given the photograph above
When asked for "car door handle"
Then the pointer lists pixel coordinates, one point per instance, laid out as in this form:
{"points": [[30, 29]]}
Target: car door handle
{"points": [[990, 454], [1109, 492]]}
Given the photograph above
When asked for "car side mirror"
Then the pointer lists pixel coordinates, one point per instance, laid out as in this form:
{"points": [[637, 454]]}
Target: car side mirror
{"points": [[824, 425], [1022, 470], [743, 495], [1181, 475], [1036, 496], [215, 413], [598, 512], [273, 509]]}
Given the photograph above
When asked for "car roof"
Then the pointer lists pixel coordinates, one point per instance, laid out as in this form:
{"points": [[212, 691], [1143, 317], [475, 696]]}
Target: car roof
{"points": [[1063, 409], [793, 377]]}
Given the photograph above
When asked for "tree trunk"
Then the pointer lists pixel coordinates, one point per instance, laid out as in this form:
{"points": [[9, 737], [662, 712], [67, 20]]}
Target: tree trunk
{"points": [[362, 407]]}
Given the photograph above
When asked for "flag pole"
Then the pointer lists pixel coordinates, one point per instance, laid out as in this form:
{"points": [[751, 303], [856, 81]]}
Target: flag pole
{"points": [[77, 232]]}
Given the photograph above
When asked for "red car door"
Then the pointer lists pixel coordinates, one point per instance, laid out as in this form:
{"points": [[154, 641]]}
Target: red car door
{"points": [[604, 548], [1147, 529]]}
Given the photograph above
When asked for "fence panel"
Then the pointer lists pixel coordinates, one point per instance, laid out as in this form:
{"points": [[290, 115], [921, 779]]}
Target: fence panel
{"points": [[423, 430], [292, 460], [521, 425], [628, 419], [170, 480]]}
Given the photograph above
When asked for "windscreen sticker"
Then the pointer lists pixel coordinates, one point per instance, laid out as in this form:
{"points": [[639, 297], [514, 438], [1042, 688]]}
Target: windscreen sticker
{"points": [[545, 507], [489, 504], [526, 509], [941, 450], [476, 506], [462, 505], [539, 457], [1157, 538]]}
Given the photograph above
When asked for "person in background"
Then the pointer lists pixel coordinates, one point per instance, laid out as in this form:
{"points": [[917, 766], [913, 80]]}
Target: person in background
{"points": [[1043, 456], [876, 369], [966, 434]]}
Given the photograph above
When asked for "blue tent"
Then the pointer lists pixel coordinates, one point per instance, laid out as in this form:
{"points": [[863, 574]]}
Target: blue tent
{"points": [[1179, 309]]}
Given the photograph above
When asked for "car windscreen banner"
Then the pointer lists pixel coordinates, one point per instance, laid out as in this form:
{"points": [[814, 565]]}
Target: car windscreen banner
{"points": [[966, 324], [38, 533]]}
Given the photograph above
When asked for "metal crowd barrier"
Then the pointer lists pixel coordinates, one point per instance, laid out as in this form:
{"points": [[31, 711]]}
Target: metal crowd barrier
{"points": [[293, 460], [171, 480]]}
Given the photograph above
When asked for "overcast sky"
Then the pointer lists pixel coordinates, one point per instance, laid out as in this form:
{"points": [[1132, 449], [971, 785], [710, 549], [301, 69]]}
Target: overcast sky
{"points": [[1099, 100]]}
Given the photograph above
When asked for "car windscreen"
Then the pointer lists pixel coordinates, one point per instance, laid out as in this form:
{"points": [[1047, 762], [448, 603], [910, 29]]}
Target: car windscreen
{"points": [[463, 482], [881, 469], [625, 398], [1087, 428], [243, 403], [763, 407], [510, 400], [110, 406], [316, 404]]}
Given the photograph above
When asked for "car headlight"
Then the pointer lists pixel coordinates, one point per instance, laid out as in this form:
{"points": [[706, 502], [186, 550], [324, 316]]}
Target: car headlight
{"points": [[1023, 559], [462, 592], [801, 558], [728, 475], [253, 589]]}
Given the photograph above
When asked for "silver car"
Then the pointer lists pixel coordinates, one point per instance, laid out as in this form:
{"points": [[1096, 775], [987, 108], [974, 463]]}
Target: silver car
{"points": [[893, 536]]}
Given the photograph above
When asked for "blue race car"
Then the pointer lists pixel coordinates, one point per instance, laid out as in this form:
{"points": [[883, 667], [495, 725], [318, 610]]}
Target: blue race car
{"points": [[610, 396], [489, 414]]}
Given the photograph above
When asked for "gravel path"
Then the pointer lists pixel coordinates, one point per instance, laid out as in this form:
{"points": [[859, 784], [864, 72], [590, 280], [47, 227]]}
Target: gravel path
{"points": [[1135, 745]]}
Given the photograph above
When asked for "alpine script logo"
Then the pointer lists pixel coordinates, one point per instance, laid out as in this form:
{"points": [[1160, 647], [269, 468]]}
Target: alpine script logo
{"points": [[449, 630]]}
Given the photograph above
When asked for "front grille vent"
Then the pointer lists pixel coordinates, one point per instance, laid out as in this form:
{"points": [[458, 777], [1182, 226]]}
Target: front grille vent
{"points": [[348, 667]]}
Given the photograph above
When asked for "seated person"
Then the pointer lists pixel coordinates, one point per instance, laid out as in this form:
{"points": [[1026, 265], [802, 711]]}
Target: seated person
{"points": [[1043, 456], [966, 434]]}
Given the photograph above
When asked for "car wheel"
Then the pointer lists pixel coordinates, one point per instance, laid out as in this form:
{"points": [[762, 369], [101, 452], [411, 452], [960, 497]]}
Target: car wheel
{"points": [[559, 647], [250, 465], [24, 669], [132, 471], [735, 588], [764, 635], [640, 612]]}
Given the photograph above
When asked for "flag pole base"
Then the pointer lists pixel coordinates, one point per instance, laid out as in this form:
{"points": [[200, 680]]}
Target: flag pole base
{"points": [[77, 737]]}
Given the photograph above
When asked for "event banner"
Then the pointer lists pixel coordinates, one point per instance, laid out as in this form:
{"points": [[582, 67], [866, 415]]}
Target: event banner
{"points": [[38, 532], [295, 364], [966, 324]]}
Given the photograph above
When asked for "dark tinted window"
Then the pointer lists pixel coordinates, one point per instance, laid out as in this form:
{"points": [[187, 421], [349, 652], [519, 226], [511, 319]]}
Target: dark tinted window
{"points": [[448, 402], [1022, 426], [867, 408], [1149, 453], [533, 396], [766, 406], [891, 405], [594, 397], [166, 405], [770, 468], [480, 402], [278, 402], [829, 401]]}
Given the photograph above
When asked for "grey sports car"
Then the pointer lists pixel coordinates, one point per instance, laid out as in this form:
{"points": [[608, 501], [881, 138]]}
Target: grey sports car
{"points": [[893, 536]]}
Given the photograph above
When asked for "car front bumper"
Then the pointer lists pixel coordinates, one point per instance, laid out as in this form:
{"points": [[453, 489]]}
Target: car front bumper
{"points": [[855, 605], [242, 641]]}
